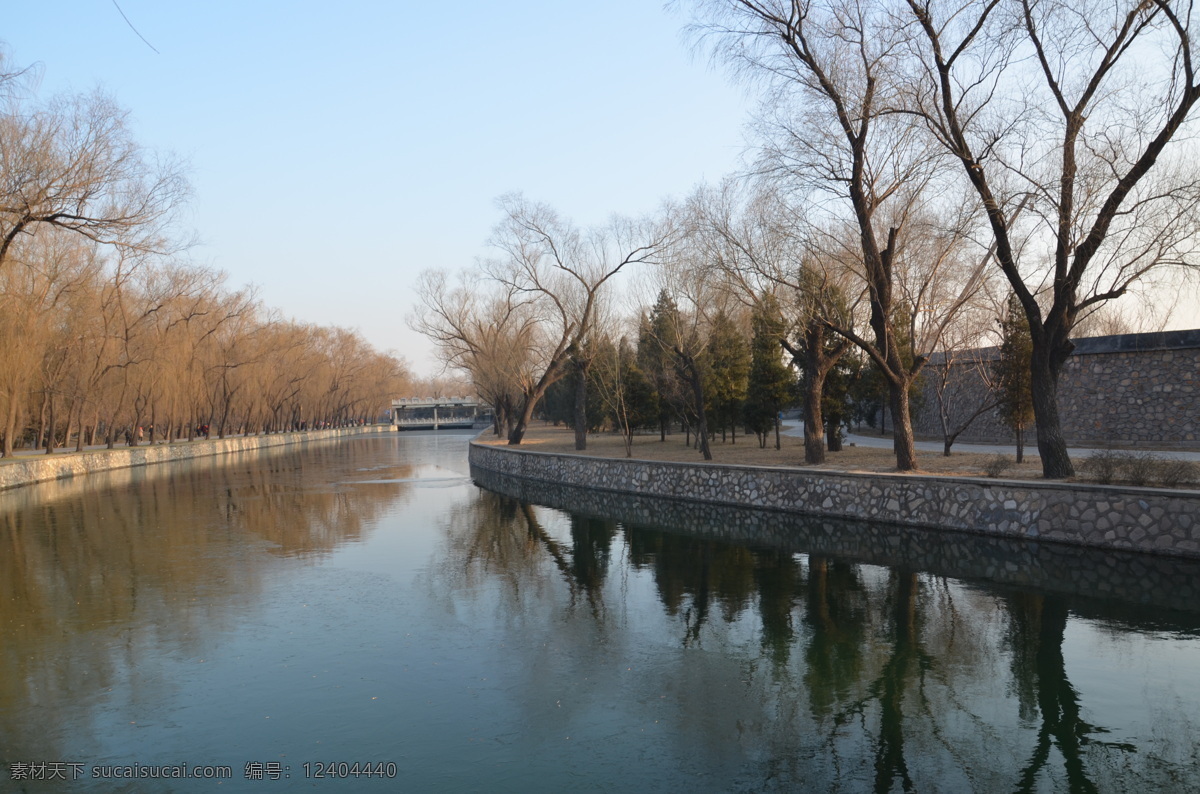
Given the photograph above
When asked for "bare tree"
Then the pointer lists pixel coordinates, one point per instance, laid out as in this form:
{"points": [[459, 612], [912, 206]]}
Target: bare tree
{"points": [[1080, 110], [494, 337], [72, 163], [562, 271], [834, 68], [693, 293], [762, 245], [961, 374]]}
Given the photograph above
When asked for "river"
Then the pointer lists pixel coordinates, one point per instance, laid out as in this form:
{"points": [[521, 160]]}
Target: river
{"points": [[360, 615]]}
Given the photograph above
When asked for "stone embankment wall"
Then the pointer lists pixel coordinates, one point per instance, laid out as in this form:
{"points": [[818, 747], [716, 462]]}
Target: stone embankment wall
{"points": [[1168, 583], [1129, 390], [1140, 519], [29, 470]]}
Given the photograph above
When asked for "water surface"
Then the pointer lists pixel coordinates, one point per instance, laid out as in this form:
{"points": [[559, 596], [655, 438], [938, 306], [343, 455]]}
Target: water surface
{"points": [[365, 601]]}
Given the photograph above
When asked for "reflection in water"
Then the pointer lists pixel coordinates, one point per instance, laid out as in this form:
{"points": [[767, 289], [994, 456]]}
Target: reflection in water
{"points": [[364, 601], [98, 572], [858, 677]]}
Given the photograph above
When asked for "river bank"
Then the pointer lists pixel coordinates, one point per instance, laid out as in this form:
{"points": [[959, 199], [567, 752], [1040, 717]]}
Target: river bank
{"points": [[1155, 520], [27, 469]]}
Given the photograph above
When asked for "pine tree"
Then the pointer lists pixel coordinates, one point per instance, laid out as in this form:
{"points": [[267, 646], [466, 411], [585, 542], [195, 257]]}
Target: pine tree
{"points": [[729, 372], [1012, 373], [771, 381], [656, 340]]}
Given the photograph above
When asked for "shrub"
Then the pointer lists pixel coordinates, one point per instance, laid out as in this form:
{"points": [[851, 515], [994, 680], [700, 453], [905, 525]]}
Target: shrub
{"points": [[1102, 466], [1139, 468], [1173, 473], [996, 465]]}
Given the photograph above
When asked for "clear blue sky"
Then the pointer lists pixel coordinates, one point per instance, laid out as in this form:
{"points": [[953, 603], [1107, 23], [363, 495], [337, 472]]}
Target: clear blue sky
{"points": [[337, 149]]}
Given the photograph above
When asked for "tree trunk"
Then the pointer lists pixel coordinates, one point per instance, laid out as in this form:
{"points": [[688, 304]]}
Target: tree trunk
{"points": [[1043, 387], [833, 433], [552, 374], [814, 422], [701, 421], [944, 412], [517, 433], [51, 419], [692, 376], [581, 405], [41, 439], [79, 430], [902, 433], [1020, 444], [10, 427]]}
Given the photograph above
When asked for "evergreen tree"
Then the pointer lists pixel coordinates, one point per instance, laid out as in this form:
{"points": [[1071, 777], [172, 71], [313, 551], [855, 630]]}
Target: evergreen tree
{"points": [[558, 406], [639, 404], [771, 381], [572, 401], [657, 338], [869, 390], [728, 358], [1012, 373]]}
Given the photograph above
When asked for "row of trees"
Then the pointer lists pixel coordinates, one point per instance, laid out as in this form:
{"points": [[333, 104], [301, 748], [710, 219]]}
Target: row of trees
{"points": [[734, 381], [104, 328], [711, 353], [917, 163]]}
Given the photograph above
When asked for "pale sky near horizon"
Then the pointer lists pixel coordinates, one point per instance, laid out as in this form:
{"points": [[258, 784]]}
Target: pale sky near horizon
{"points": [[336, 150]]}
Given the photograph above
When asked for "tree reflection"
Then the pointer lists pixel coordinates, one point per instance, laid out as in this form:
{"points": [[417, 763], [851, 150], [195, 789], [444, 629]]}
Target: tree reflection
{"points": [[808, 671], [139, 562], [1038, 628], [778, 579], [591, 551], [906, 662], [693, 574], [837, 615]]}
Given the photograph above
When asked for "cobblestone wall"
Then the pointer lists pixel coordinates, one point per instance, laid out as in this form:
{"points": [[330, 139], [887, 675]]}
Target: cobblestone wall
{"points": [[1131, 390], [1169, 583], [1141, 519]]}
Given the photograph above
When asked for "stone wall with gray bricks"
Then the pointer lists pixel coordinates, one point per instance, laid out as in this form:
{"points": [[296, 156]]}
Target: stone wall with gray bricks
{"points": [[1154, 520], [1129, 390], [26, 470]]}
